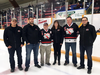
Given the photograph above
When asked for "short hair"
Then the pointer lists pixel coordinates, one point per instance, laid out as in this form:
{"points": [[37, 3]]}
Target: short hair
{"points": [[84, 17], [45, 24], [30, 17], [69, 17]]}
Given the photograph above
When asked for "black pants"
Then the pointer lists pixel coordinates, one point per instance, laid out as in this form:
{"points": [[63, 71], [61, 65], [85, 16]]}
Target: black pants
{"points": [[57, 51], [89, 56], [11, 56]]}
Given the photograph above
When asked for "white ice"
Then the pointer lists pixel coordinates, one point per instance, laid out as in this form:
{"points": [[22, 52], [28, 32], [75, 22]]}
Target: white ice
{"points": [[45, 70]]}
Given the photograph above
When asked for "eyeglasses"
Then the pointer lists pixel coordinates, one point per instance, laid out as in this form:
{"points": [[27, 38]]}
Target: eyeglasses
{"points": [[84, 20], [45, 25]]}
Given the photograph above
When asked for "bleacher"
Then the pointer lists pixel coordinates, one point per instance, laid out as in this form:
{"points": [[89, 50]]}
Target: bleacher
{"points": [[30, 11]]}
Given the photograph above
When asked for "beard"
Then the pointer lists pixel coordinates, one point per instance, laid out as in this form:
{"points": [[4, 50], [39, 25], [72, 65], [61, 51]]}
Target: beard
{"points": [[30, 22]]}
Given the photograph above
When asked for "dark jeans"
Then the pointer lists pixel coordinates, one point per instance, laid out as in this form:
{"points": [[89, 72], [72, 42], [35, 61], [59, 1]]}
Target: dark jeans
{"points": [[11, 56], [73, 47], [57, 51], [89, 56], [29, 48]]}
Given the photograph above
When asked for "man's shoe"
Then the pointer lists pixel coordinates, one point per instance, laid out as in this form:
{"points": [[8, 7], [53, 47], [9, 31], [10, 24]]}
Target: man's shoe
{"points": [[75, 65], [12, 70], [48, 64], [26, 69], [66, 63], [58, 63], [89, 71], [42, 64], [54, 63], [38, 66], [80, 67], [20, 68]]}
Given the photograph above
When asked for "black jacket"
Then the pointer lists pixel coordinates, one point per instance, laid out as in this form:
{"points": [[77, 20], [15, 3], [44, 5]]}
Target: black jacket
{"points": [[45, 37], [87, 35], [13, 36], [57, 35], [31, 34]]}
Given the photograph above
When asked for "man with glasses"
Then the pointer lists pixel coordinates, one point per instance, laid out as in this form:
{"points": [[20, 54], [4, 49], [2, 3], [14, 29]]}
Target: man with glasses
{"points": [[87, 37]]}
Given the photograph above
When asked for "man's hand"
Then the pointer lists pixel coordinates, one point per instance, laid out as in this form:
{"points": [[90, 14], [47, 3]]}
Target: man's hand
{"points": [[9, 47], [22, 45], [60, 43], [28, 43]]}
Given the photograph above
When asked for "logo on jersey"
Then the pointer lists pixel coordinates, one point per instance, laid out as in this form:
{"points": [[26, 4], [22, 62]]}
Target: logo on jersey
{"points": [[50, 32], [42, 32], [69, 31], [64, 28], [46, 35]]}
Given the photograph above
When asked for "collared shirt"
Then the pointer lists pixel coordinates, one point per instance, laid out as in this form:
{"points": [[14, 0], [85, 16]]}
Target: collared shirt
{"points": [[70, 25], [46, 30]]}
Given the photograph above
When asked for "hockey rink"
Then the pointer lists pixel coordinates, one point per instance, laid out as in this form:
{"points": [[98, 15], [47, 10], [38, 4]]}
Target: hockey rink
{"points": [[45, 70]]}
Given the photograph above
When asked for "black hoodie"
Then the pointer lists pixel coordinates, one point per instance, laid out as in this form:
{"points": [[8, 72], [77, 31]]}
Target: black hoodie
{"points": [[13, 36], [57, 35], [31, 34], [87, 35]]}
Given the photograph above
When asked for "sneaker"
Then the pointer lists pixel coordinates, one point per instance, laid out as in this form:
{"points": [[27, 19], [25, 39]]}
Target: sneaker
{"points": [[38, 66], [48, 64], [89, 71], [80, 67], [12, 70], [26, 69], [75, 65], [20, 68]]}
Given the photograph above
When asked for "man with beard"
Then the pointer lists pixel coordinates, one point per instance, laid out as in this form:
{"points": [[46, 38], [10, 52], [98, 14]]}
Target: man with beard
{"points": [[31, 36]]}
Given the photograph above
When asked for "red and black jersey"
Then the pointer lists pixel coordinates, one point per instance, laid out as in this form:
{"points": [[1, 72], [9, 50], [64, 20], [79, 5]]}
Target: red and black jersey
{"points": [[45, 36], [70, 32]]}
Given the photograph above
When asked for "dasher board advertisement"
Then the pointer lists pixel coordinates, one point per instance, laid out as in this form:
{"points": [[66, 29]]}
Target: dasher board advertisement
{"points": [[73, 13]]}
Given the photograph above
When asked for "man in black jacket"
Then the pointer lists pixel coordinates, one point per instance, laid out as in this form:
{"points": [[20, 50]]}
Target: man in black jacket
{"points": [[31, 36], [13, 40], [87, 37]]}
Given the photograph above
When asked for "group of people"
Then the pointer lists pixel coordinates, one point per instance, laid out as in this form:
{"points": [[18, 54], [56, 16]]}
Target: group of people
{"points": [[15, 36]]}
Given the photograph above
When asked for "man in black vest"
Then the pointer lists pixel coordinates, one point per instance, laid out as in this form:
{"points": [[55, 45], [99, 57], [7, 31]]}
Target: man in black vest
{"points": [[87, 38], [13, 40]]}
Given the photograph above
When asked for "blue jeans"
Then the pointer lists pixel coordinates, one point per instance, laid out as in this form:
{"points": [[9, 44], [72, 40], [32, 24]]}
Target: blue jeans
{"points": [[11, 56], [89, 56], [73, 47], [29, 48]]}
